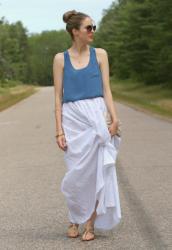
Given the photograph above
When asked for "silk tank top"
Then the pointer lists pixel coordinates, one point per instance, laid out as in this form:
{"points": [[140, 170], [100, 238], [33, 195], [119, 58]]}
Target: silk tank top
{"points": [[82, 83]]}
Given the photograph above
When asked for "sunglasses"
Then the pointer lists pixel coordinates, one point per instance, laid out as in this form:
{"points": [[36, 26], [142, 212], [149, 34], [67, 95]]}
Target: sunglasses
{"points": [[90, 28]]}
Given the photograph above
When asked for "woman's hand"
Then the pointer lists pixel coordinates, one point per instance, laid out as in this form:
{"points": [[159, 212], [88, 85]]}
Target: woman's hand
{"points": [[113, 127], [61, 141]]}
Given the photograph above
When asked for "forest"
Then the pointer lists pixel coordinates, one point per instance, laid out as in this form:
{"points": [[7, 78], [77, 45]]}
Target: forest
{"points": [[137, 34]]}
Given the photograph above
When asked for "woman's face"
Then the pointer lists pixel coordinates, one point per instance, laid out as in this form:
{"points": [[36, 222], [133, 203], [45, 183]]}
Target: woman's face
{"points": [[83, 34]]}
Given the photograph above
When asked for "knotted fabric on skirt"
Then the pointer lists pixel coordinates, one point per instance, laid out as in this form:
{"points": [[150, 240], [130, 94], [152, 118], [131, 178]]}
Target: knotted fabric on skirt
{"points": [[91, 164]]}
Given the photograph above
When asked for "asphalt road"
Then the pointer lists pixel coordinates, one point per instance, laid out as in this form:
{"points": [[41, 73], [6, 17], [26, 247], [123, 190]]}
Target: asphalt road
{"points": [[33, 211]]}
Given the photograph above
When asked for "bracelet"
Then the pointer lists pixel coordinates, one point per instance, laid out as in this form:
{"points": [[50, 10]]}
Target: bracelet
{"points": [[59, 135]]}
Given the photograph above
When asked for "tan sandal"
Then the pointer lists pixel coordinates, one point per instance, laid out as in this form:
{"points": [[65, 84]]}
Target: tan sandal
{"points": [[88, 230], [73, 230]]}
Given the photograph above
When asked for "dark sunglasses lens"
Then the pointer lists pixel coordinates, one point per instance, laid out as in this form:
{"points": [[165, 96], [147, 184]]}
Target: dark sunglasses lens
{"points": [[90, 27]]}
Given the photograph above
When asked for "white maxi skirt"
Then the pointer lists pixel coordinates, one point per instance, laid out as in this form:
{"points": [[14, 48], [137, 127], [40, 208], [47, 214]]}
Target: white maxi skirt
{"points": [[91, 162]]}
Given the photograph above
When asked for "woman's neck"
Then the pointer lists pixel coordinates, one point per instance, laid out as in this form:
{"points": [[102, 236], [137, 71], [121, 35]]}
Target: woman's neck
{"points": [[79, 48]]}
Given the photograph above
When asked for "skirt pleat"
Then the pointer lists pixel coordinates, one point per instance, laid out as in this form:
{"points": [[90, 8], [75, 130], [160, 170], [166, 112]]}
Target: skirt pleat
{"points": [[91, 164]]}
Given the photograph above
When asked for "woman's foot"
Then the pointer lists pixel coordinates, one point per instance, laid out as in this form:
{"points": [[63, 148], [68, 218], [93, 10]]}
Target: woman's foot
{"points": [[73, 230], [88, 233]]}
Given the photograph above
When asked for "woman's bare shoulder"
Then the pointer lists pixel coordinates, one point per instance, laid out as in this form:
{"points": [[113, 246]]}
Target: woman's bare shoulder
{"points": [[100, 51], [59, 58], [100, 54]]}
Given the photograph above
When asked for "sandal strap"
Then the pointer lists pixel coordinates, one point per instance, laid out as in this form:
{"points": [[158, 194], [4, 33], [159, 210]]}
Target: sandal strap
{"points": [[90, 230], [73, 225], [73, 230]]}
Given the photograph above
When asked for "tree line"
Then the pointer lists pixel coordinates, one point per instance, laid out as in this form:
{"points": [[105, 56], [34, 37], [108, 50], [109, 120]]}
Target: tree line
{"points": [[137, 35]]}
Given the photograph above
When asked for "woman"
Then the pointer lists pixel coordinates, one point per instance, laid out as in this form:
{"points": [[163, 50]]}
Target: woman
{"points": [[82, 98]]}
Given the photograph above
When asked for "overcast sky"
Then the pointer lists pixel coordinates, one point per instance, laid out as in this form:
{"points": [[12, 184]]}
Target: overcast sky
{"points": [[39, 15]]}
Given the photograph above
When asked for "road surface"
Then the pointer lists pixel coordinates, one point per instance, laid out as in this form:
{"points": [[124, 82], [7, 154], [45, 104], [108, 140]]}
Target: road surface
{"points": [[33, 211]]}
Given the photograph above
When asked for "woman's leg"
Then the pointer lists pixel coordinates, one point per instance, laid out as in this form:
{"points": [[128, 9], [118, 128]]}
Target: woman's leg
{"points": [[90, 221], [89, 227]]}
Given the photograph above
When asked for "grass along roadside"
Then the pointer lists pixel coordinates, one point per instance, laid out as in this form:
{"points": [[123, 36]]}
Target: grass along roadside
{"points": [[11, 95], [155, 100]]}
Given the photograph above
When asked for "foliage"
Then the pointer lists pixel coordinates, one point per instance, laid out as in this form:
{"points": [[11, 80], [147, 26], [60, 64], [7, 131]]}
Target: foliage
{"points": [[138, 38], [137, 35]]}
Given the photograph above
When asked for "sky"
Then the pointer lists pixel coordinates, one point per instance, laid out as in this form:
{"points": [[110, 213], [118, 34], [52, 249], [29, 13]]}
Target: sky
{"points": [[43, 15]]}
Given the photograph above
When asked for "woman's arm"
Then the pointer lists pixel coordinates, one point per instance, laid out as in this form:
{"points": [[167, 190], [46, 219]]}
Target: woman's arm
{"points": [[104, 66], [58, 64]]}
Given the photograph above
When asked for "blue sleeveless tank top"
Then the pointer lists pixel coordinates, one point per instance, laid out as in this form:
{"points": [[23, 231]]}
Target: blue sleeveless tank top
{"points": [[81, 83]]}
